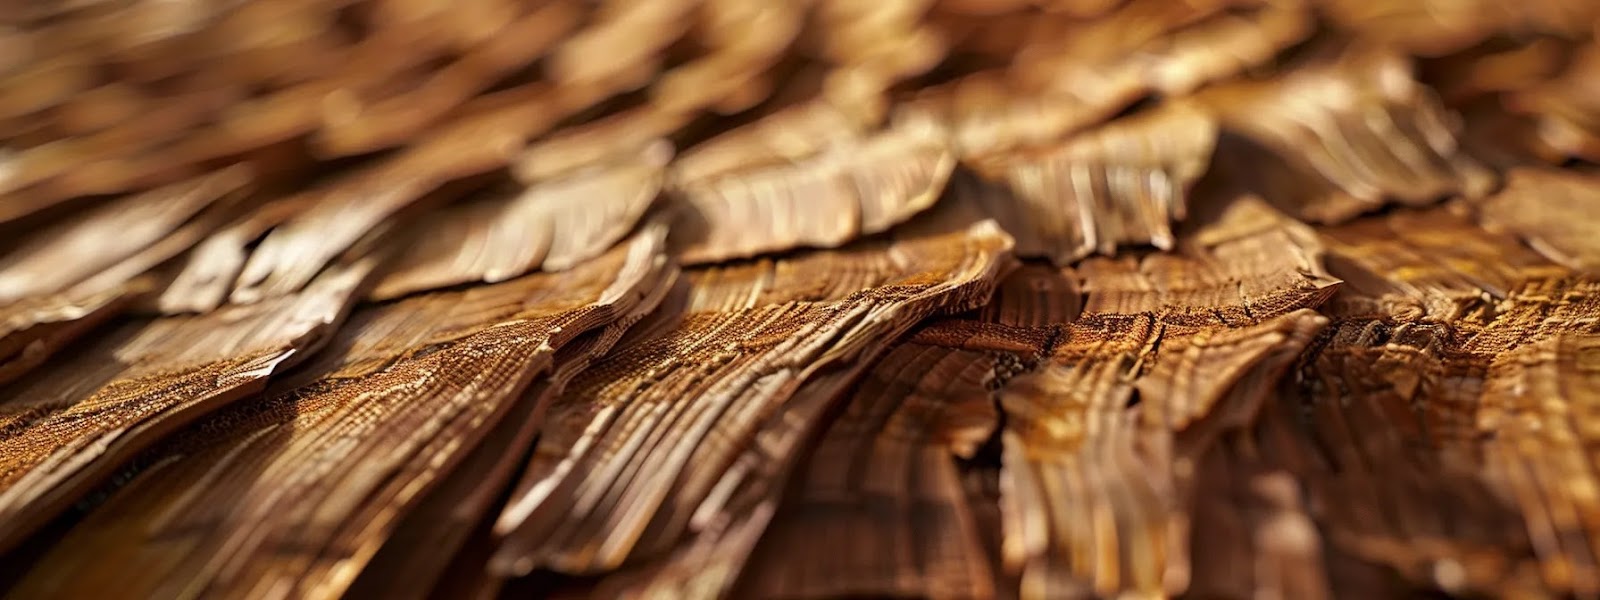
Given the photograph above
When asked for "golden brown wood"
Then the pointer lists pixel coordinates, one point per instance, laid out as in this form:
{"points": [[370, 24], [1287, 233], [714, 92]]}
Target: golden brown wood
{"points": [[1308, 307], [408, 385]]}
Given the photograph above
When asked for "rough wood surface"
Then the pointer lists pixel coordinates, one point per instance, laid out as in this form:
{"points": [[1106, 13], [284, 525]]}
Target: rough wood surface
{"points": [[399, 396], [72, 423], [799, 298]]}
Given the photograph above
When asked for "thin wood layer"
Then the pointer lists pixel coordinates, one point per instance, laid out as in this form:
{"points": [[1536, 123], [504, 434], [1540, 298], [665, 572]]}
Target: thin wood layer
{"points": [[821, 197], [1356, 132], [762, 352], [401, 396], [1478, 397], [551, 225], [846, 394], [1101, 439], [1552, 211], [1123, 183], [1111, 379], [68, 426], [881, 503]]}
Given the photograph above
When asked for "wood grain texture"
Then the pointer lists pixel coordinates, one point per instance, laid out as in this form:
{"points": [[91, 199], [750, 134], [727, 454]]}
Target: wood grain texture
{"points": [[437, 370], [799, 299]]}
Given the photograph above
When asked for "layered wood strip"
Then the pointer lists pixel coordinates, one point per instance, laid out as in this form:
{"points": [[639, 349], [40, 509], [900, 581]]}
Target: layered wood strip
{"points": [[1142, 335], [72, 424], [880, 503], [1098, 483], [443, 543], [1066, 73], [989, 111], [68, 253], [1433, 265], [687, 437], [884, 503], [1552, 211], [1356, 121], [32, 330], [401, 397], [1243, 262], [551, 225], [332, 219], [624, 135], [789, 135], [1100, 441], [1447, 441], [847, 394], [1123, 183], [740, 204], [419, 79], [67, 279], [1152, 44]]}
